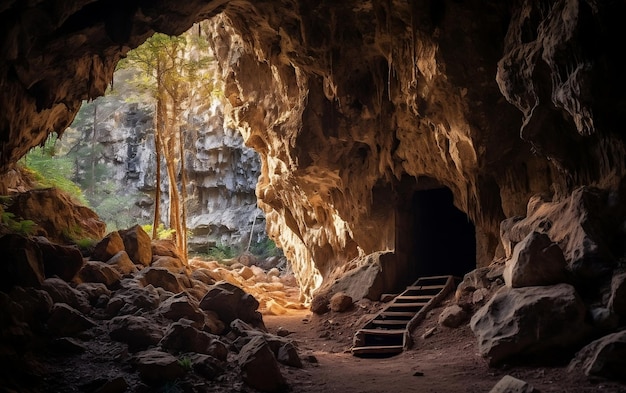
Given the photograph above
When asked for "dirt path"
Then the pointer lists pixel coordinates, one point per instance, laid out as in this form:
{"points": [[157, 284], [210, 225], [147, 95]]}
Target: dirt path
{"points": [[446, 361]]}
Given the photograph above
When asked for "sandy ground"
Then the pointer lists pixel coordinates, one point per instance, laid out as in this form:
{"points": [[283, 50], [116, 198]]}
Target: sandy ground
{"points": [[446, 361]]}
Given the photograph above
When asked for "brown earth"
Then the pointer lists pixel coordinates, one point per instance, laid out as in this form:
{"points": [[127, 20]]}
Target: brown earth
{"points": [[446, 361]]}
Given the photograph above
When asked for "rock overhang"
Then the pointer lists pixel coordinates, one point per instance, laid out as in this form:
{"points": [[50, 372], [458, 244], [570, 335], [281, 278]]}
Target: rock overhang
{"points": [[342, 99]]}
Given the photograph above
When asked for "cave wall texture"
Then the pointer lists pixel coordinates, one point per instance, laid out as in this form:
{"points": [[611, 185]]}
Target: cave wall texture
{"points": [[354, 105]]}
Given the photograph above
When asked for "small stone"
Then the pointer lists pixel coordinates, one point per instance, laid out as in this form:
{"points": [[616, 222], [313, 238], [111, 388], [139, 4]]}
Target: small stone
{"points": [[418, 374], [429, 332], [452, 316], [282, 332], [509, 384], [340, 302]]}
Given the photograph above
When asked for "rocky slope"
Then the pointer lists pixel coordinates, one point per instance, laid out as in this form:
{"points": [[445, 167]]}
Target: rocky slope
{"points": [[355, 106], [134, 317]]}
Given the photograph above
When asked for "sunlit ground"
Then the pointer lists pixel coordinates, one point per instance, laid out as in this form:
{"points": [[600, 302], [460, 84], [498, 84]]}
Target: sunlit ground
{"points": [[275, 289]]}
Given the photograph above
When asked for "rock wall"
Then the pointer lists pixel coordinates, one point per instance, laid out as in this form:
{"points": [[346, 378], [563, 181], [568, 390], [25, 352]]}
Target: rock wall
{"points": [[353, 106], [221, 171]]}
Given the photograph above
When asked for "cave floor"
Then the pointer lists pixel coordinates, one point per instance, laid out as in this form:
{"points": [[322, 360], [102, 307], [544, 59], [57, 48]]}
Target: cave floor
{"points": [[445, 361]]}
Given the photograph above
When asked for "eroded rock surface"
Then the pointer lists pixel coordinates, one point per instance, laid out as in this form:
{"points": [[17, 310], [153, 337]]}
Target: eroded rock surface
{"points": [[355, 105], [530, 321]]}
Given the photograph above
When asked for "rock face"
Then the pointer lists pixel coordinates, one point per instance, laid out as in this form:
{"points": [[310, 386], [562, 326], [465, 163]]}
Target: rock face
{"points": [[355, 106], [529, 321], [221, 171]]}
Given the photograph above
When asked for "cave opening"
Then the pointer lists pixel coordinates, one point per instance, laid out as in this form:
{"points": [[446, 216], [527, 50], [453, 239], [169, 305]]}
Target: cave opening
{"points": [[433, 236]]}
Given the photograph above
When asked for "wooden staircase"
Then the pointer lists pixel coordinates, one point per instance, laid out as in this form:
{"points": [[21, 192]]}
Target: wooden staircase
{"points": [[389, 332]]}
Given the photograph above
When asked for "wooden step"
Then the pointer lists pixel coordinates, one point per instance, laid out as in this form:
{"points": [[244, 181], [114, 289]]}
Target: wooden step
{"points": [[397, 314], [429, 278], [394, 322], [382, 332], [407, 305], [378, 349], [388, 333], [424, 287], [412, 297]]}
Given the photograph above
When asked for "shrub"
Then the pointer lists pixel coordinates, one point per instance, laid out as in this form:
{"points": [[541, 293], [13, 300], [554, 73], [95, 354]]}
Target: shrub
{"points": [[162, 232]]}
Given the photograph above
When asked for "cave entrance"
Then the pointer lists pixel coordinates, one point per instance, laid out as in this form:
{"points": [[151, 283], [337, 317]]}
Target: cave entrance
{"points": [[433, 236]]}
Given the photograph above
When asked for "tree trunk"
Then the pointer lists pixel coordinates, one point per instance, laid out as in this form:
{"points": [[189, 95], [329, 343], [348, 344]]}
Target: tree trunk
{"points": [[157, 148]]}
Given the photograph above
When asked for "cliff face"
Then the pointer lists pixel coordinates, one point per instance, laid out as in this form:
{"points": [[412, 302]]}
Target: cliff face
{"points": [[222, 172], [354, 107]]}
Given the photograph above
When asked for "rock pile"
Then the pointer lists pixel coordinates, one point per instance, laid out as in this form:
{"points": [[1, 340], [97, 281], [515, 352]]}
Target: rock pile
{"points": [[134, 315], [556, 294]]}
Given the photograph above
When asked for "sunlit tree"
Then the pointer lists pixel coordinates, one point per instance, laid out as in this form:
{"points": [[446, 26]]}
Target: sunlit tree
{"points": [[176, 71]]}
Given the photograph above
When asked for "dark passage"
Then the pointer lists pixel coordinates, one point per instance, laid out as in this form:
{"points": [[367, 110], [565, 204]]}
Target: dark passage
{"points": [[444, 238]]}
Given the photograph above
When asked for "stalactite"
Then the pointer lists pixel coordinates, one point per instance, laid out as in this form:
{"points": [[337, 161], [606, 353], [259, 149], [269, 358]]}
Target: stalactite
{"points": [[390, 54], [413, 11]]}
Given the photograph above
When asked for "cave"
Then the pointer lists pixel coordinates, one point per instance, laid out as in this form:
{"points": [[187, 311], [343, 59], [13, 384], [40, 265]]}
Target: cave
{"points": [[443, 237], [516, 108], [432, 236]]}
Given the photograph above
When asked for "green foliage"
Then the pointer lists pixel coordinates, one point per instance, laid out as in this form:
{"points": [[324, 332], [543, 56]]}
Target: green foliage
{"points": [[51, 170], [21, 227], [86, 243], [221, 252], [265, 248], [162, 232], [185, 363]]}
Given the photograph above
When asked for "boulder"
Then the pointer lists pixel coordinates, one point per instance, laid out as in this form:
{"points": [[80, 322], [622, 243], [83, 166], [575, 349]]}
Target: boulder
{"points": [[22, 263], [157, 368], [452, 316], [206, 366], [288, 355], [181, 336], [536, 260], [373, 275], [230, 302], [138, 245], [575, 223], [509, 384], [181, 307], [61, 292], [98, 272], [340, 302], [35, 305], [67, 321], [122, 263], [172, 264], [320, 304], [161, 278], [246, 273], [259, 367], [96, 293], [166, 248], [529, 321], [203, 275], [106, 248], [133, 299], [136, 331], [59, 260], [283, 349], [15, 332], [604, 357]]}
